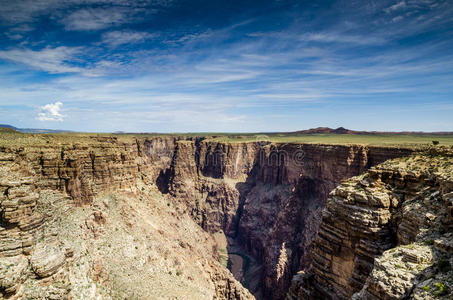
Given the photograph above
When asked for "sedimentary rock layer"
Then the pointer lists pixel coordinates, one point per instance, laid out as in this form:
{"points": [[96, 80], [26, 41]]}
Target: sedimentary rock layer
{"points": [[82, 218], [386, 234], [267, 196]]}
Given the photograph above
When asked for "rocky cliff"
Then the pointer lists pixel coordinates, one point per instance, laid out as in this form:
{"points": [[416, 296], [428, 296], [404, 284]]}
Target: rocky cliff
{"points": [[386, 234], [81, 218], [267, 198]]}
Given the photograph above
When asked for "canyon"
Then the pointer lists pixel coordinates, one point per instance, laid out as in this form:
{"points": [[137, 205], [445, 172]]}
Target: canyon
{"points": [[144, 217]]}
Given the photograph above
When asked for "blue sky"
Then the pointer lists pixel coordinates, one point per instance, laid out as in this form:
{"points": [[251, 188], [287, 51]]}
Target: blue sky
{"points": [[242, 66]]}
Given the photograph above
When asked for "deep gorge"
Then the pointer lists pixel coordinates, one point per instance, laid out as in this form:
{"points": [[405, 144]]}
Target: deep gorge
{"points": [[264, 199]]}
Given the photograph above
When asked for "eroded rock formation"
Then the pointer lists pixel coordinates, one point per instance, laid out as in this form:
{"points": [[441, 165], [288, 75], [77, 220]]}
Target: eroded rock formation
{"points": [[386, 234], [81, 218], [267, 197]]}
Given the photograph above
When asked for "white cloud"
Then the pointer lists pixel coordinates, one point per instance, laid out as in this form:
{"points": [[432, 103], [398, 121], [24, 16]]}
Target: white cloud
{"points": [[52, 60], [14, 36], [51, 112], [95, 18], [397, 6], [194, 37], [14, 12], [18, 32], [334, 37], [116, 38], [23, 11]]}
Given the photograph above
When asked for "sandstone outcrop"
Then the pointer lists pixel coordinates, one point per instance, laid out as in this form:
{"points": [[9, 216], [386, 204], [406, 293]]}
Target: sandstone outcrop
{"points": [[46, 259], [385, 235]]}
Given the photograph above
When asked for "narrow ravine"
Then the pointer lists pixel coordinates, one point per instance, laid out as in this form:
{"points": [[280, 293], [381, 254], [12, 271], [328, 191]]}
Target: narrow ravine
{"points": [[267, 198], [245, 267]]}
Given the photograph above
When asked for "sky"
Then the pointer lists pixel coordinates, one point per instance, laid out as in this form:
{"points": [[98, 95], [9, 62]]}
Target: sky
{"points": [[226, 66]]}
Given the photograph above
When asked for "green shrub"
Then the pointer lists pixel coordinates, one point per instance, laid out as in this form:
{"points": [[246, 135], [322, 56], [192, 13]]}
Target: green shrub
{"points": [[442, 289]]}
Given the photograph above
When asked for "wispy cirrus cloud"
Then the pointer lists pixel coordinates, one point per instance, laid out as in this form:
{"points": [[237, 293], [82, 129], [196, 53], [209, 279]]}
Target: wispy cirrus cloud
{"points": [[117, 38], [14, 12], [339, 37], [96, 18], [119, 63], [52, 60], [396, 6], [26, 11]]}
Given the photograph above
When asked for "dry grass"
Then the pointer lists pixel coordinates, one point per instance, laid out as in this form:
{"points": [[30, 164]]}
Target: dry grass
{"points": [[9, 137]]}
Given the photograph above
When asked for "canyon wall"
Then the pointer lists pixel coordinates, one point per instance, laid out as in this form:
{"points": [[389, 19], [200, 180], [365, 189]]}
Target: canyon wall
{"points": [[268, 197], [81, 217], [387, 234]]}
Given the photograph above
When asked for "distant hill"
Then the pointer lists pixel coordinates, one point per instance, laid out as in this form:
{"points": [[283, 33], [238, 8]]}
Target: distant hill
{"points": [[342, 130], [326, 130], [7, 126], [7, 129], [317, 130], [32, 130]]}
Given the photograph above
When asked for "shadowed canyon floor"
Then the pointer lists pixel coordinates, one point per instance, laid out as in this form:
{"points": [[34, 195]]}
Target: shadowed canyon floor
{"points": [[162, 217]]}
